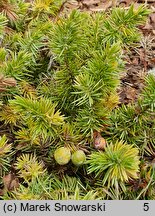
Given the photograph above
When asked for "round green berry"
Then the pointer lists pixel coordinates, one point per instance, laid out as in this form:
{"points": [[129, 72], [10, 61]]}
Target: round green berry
{"points": [[62, 155], [78, 157]]}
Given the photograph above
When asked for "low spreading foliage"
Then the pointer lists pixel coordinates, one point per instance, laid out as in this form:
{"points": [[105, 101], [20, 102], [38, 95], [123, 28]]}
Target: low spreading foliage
{"points": [[59, 75]]}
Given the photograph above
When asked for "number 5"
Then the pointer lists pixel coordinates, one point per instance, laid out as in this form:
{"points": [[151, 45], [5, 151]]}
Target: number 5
{"points": [[146, 207]]}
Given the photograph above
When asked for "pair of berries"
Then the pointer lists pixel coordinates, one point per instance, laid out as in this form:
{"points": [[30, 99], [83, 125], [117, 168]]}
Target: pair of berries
{"points": [[63, 155]]}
